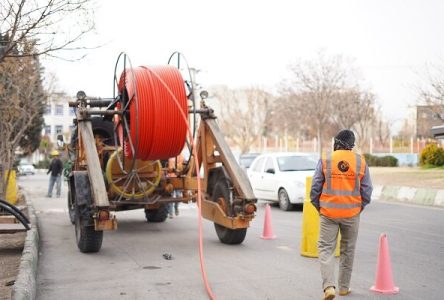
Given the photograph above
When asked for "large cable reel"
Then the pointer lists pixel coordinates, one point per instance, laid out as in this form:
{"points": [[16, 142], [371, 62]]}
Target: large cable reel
{"points": [[152, 102]]}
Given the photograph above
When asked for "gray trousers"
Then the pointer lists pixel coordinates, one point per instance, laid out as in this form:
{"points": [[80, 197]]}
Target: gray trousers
{"points": [[328, 235], [58, 181]]}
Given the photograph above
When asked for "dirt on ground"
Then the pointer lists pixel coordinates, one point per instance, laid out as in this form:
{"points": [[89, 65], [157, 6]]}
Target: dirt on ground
{"points": [[11, 248], [408, 176]]}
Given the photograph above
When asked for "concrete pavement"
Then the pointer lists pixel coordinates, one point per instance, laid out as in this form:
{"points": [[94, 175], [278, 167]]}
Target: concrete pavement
{"points": [[185, 285]]}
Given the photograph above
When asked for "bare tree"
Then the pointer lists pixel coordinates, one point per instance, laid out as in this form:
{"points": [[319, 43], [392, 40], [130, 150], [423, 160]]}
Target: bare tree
{"points": [[21, 104], [347, 104], [433, 93], [54, 25], [244, 114], [314, 86], [365, 118], [285, 114], [381, 129]]}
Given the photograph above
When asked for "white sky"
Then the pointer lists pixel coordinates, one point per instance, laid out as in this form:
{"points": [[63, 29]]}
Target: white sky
{"points": [[244, 43]]}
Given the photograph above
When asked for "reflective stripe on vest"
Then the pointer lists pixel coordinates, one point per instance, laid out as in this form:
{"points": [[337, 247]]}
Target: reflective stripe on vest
{"points": [[330, 191], [338, 205]]}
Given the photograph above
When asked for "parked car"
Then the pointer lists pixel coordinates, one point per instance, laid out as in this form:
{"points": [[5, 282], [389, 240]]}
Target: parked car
{"points": [[25, 169], [280, 177], [245, 160]]}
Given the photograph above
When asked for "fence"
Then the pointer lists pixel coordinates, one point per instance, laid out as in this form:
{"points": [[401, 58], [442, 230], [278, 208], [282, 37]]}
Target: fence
{"points": [[392, 145]]}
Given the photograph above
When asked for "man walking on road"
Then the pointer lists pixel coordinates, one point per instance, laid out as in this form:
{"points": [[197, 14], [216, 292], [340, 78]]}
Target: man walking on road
{"points": [[55, 168], [340, 190]]}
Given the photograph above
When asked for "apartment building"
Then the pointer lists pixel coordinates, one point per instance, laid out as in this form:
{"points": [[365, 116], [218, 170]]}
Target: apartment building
{"points": [[428, 116], [58, 117]]}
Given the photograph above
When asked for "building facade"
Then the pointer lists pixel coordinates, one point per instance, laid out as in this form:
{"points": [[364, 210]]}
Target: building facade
{"points": [[58, 118], [428, 116]]}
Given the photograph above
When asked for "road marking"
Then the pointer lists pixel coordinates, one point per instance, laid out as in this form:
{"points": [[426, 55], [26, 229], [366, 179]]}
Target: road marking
{"points": [[285, 248], [53, 210]]}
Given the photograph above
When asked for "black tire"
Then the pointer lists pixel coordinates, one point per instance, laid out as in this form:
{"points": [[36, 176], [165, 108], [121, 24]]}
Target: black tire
{"points": [[157, 215], [284, 201], [221, 192], [105, 128], [71, 208], [88, 240]]}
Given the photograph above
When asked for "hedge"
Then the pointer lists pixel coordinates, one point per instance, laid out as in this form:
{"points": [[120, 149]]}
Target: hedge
{"points": [[381, 161], [432, 155]]}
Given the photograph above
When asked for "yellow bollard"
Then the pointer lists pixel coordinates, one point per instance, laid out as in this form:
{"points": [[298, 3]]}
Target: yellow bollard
{"points": [[11, 189], [310, 226]]}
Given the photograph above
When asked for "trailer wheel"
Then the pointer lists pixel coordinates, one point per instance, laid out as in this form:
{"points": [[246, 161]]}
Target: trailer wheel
{"points": [[88, 240], [221, 195], [157, 215], [71, 208], [104, 128]]}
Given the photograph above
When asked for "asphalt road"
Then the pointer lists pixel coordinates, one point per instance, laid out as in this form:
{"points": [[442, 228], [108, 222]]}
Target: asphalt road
{"points": [[130, 264]]}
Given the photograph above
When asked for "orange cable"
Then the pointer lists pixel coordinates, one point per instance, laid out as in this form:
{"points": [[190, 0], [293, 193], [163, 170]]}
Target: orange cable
{"points": [[159, 135], [199, 193]]}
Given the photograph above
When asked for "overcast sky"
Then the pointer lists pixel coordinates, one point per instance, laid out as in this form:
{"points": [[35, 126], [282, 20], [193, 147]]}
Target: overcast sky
{"points": [[244, 43]]}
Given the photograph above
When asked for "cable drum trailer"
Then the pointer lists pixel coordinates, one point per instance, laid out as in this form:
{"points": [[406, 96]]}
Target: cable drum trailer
{"points": [[121, 146]]}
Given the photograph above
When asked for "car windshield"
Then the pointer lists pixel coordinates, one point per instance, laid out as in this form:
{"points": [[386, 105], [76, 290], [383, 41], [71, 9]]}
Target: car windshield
{"points": [[246, 161], [296, 163]]}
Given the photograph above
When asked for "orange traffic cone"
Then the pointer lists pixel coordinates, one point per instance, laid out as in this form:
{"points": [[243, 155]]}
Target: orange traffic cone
{"points": [[384, 279], [268, 230]]}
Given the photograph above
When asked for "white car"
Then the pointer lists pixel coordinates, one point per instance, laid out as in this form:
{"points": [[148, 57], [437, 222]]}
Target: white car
{"points": [[24, 169], [280, 177]]}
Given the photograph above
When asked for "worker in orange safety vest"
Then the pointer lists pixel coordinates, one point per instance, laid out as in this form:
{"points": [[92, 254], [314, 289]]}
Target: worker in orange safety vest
{"points": [[341, 188]]}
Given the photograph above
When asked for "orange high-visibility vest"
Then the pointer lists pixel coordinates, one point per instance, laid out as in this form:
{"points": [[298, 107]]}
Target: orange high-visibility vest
{"points": [[341, 196]]}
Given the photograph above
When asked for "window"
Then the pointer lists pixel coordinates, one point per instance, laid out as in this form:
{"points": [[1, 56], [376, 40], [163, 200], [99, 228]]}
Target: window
{"points": [[47, 130], [48, 110], [259, 165], [71, 111], [59, 129], [269, 166], [59, 110], [296, 163]]}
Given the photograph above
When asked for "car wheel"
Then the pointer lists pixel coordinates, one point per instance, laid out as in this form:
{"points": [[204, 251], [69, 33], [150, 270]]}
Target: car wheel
{"points": [[284, 201]]}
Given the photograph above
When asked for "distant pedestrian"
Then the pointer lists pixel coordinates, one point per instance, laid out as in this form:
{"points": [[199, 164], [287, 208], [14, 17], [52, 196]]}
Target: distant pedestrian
{"points": [[340, 190], [55, 168], [175, 166]]}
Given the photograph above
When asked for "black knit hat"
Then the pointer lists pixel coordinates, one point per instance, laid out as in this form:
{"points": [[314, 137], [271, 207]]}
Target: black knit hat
{"points": [[345, 139]]}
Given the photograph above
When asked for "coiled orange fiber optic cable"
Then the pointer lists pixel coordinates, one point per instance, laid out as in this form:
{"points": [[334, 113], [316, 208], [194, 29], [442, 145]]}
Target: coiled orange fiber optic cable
{"points": [[163, 125], [161, 132]]}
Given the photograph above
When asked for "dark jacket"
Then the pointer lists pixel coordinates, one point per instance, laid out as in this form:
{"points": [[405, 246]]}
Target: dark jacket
{"points": [[55, 167]]}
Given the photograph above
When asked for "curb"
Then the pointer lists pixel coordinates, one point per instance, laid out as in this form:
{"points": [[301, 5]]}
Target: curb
{"points": [[420, 196], [25, 285]]}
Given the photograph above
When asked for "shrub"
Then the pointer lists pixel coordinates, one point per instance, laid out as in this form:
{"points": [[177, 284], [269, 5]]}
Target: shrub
{"points": [[383, 161], [432, 155], [43, 164]]}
